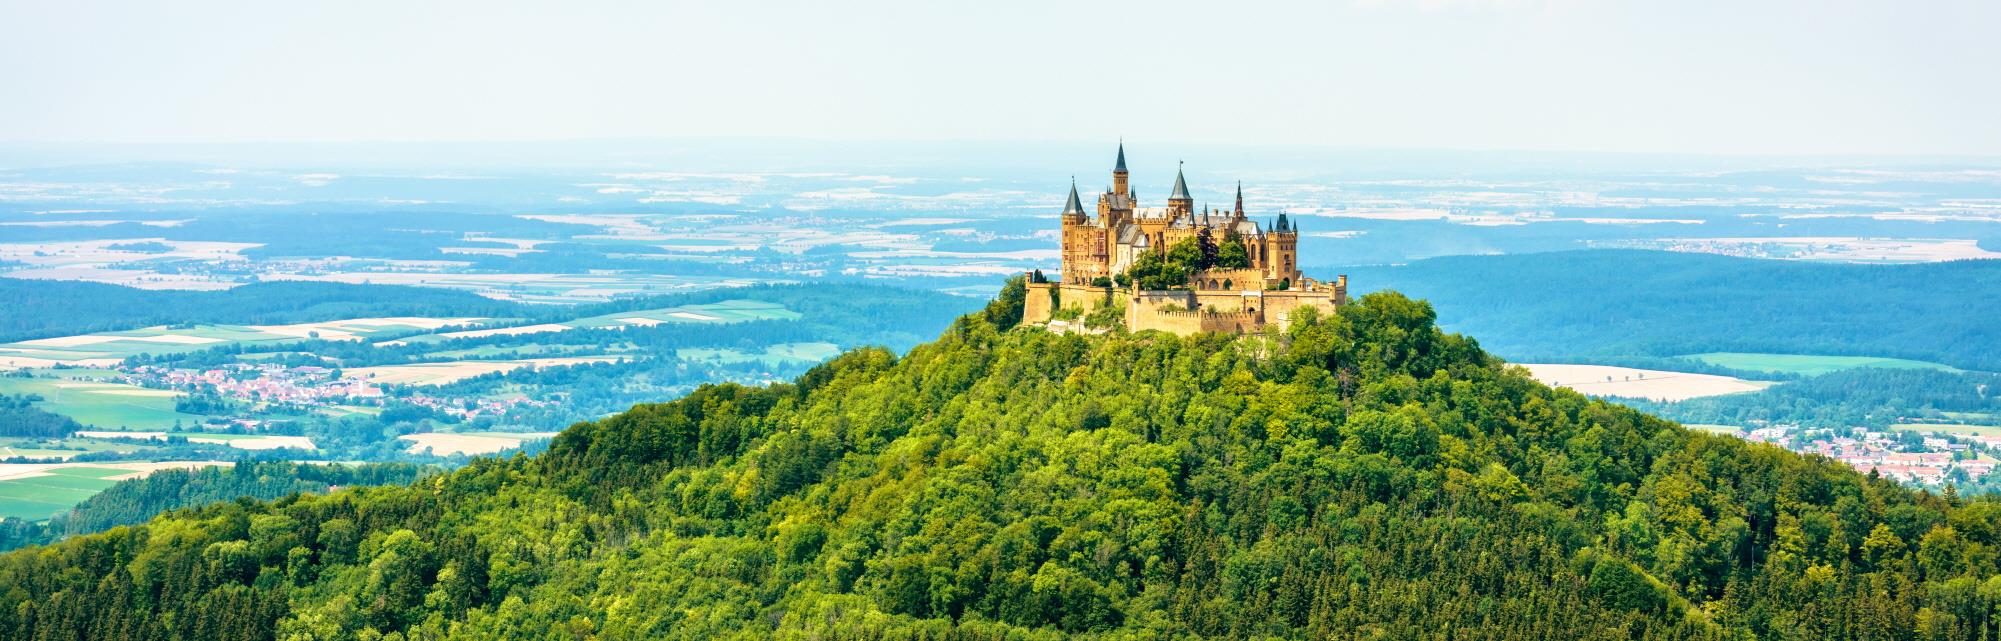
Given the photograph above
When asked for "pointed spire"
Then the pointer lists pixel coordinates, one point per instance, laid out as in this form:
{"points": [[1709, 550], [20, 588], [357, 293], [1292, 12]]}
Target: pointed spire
{"points": [[1281, 222], [1240, 199], [1121, 166], [1074, 206], [1180, 185]]}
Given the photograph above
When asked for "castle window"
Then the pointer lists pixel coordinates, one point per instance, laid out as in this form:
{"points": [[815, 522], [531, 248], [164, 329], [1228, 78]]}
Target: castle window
{"points": [[1226, 285]]}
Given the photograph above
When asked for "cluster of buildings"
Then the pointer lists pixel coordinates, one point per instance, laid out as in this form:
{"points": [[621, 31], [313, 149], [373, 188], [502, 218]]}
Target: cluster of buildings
{"points": [[1100, 247], [263, 383], [1930, 460], [468, 409], [309, 386]]}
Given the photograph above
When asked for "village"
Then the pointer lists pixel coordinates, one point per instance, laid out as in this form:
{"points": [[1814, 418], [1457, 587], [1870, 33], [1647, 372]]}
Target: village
{"points": [[1904, 455], [309, 388]]}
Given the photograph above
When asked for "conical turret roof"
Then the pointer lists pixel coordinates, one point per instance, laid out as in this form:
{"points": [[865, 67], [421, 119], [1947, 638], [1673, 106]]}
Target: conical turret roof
{"points": [[1075, 206], [1121, 166], [1180, 187]]}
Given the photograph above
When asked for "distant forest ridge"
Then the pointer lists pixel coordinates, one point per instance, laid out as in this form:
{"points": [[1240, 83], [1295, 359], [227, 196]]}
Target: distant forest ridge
{"points": [[43, 308], [1618, 303]]}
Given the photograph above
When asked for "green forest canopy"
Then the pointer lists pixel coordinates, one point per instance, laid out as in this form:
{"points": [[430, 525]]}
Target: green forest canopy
{"points": [[1357, 475]]}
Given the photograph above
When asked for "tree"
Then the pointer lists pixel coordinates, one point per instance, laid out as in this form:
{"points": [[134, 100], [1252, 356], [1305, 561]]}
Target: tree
{"points": [[1232, 254]]}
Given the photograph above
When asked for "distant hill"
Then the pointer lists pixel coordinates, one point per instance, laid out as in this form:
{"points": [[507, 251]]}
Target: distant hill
{"points": [[1586, 304], [43, 308], [1359, 476]]}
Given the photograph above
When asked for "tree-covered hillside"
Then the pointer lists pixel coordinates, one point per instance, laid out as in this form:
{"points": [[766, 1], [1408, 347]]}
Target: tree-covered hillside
{"points": [[1362, 475], [1622, 303], [43, 308]]}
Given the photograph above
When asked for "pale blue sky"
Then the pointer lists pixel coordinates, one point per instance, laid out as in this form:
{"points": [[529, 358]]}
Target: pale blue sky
{"points": [[1825, 77]]}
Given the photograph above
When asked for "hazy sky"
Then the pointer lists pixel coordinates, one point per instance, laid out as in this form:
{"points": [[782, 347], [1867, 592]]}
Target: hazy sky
{"points": [[1810, 77]]}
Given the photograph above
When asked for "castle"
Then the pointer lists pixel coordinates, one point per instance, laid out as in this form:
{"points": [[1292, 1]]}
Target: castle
{"points": [[1174, 268]]}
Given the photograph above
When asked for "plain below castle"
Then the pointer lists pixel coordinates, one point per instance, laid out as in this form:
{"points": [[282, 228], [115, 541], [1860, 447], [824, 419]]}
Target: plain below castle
{"points": [[1174, 268]]}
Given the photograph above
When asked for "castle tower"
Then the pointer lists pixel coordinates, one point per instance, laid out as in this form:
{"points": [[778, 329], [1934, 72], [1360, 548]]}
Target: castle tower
{"points": [[1085, 250], [1282, 252], [1179, 203], [1120, 184], [1239, 213], [1074, 208]]}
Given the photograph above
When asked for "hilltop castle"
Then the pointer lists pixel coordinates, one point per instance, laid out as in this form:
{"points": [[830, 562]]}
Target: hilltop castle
{"points": [[1174, 268]]}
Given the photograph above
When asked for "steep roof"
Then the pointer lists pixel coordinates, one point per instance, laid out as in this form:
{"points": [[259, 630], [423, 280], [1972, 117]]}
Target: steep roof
{"points": [[1074, 206], [1180, 187], [1121, 167]]}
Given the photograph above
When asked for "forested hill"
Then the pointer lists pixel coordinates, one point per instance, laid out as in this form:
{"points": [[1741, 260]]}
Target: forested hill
{"points": [[43, 308], [1362, 475], [1585, 304]]}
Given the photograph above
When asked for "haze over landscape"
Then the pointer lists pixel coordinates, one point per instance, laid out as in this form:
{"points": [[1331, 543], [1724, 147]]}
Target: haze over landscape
{"points": [[1379, 319]]}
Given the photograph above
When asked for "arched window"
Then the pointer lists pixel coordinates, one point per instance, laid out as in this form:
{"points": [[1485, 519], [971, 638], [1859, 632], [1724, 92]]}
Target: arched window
{"points": [[1226, 285]]}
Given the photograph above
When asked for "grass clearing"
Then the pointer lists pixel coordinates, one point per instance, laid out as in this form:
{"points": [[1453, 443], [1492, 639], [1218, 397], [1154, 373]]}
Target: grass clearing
{"points": [[1807, 364]]}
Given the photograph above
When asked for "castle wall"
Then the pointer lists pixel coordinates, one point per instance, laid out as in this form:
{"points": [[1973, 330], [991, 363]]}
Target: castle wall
{"points": [[1227, 301], [1037, 305], [1232, 323], [1083, 297], [1280, 305], [1239, 279]]}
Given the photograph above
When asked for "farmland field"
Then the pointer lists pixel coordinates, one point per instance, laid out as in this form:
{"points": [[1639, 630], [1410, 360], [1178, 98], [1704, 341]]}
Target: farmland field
{"points": [[441, 373], [33, 448], [36, 491], [105, 349], [1806, 364], [772, 356], [1627, 382], [729, 311], [1947, 428], [446, 443], [105, 405], [238, 441]]}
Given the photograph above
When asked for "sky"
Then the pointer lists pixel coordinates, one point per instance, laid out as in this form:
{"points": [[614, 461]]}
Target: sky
{"points": [[1687, 76]]}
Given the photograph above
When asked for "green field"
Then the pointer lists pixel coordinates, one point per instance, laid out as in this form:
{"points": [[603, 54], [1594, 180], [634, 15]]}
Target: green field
{"points": [[729, 311], [101, 405], [41, 497], [773, 356], [13, 446], [1968, 430], [1806, 364]]}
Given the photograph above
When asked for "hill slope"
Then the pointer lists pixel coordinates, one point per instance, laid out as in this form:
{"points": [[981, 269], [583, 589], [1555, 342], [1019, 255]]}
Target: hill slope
{"points": [[1586, 304], [1359, 476]]}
